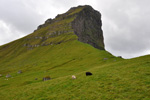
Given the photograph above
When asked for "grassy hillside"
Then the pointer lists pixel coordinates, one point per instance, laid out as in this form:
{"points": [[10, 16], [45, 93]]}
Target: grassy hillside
{"points": [[20, 53], [59, 62], [54, 50], [114, 78]]}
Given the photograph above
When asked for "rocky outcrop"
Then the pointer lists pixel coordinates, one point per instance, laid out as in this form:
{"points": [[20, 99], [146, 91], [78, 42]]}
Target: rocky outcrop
{"points": [[87, 26], [48, 21]]}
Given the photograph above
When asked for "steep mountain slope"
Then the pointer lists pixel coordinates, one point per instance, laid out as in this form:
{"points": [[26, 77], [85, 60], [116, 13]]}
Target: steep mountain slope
{"points": [[63, 29], [70, 44]]}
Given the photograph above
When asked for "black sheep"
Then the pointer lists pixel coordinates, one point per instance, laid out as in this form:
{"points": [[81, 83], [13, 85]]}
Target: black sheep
{"points": [[88, 73]]}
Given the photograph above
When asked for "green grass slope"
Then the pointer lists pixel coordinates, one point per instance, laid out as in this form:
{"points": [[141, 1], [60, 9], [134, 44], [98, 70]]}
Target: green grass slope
{"points": [[53, 50], [114, 78], [36, 45], [57, 61]]}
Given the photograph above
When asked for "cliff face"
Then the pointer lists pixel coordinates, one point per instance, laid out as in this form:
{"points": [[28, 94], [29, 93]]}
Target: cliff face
{"points": [[87, 26]]}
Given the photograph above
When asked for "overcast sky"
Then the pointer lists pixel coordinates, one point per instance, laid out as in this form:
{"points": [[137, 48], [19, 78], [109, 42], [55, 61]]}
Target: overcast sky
{"points": [[126, 23]]}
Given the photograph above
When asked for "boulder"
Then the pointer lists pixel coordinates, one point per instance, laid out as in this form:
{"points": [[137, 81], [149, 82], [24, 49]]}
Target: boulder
{"points": [[105, 58], [36, 78], [19, 72], [8, 76], [119, 56]]}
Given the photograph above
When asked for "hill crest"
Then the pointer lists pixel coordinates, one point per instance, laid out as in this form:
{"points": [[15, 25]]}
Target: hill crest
{"points": [[83, 21]]}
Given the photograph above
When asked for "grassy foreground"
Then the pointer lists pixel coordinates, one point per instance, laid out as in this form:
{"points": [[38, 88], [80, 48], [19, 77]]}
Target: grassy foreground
{"points": [[113, 78]]}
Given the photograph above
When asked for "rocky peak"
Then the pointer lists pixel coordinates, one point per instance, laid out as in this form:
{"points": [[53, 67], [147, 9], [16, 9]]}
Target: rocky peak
{"points": [[86, 24]]}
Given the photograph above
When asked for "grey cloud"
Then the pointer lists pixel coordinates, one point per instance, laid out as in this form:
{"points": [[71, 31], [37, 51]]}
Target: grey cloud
{"points": [[7, 33], [18, 15], [126, 28]]}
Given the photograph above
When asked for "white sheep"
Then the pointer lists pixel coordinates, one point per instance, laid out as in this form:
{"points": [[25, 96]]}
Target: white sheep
{"points": [[73, 77]]}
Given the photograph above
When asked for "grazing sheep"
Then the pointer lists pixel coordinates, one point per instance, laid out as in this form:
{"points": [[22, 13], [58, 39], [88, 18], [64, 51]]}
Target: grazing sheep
{"points": [[46, 78], [0, 75], [88, 73], [73, 77]]}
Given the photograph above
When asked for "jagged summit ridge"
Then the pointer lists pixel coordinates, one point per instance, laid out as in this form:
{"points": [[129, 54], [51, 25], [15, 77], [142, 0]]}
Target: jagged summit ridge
{"points": [[82, 21]]}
